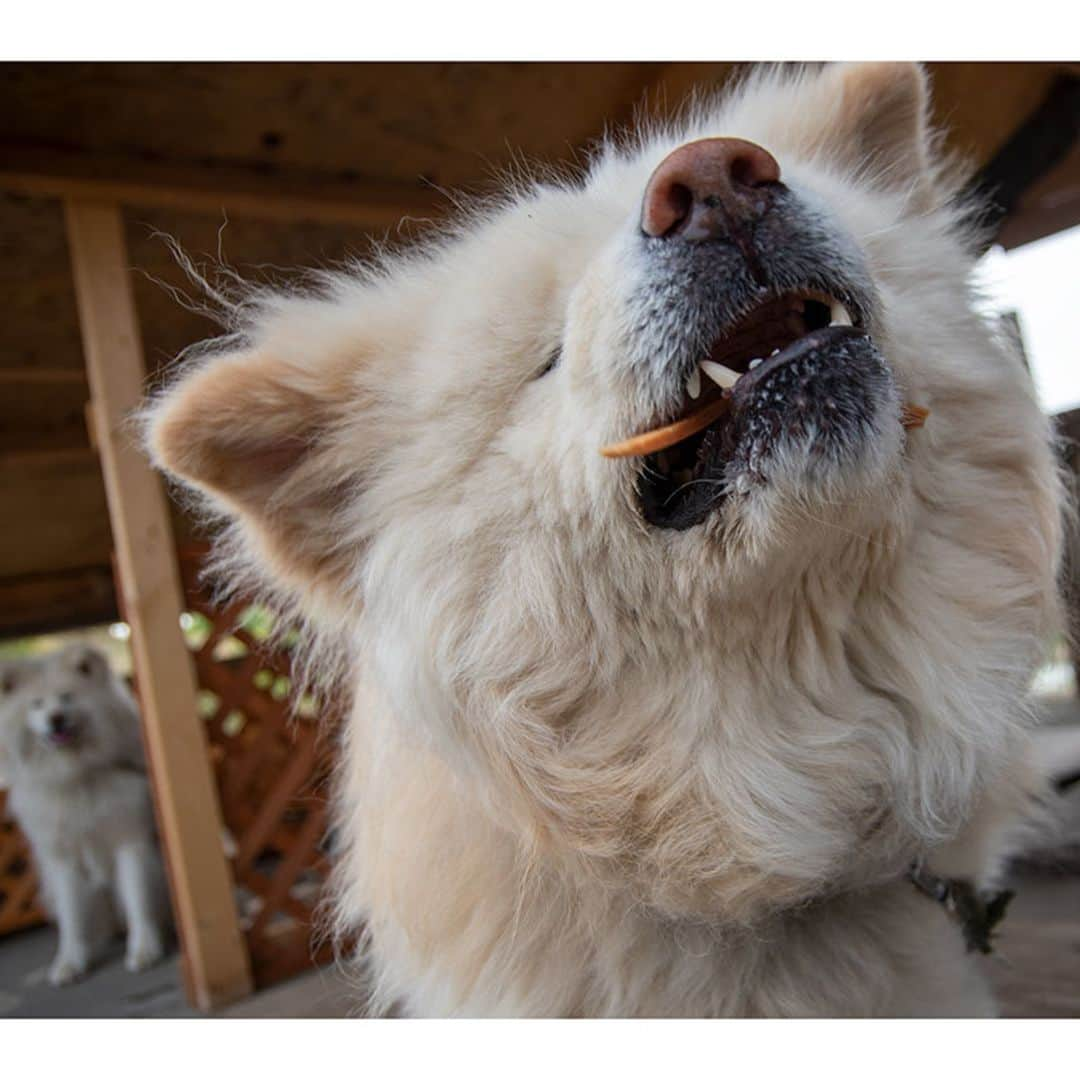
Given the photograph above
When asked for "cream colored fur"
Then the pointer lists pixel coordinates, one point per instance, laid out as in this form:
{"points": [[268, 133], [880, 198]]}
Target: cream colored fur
{"points": [[595, 768]]}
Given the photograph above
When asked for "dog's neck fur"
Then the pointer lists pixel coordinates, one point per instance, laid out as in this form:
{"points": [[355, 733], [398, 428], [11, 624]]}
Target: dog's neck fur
{"points": [[818, 786], [520, 928]]}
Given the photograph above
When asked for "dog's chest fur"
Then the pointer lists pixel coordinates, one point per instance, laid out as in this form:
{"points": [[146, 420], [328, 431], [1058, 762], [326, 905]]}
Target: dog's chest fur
{"points": [[87, 817], [464, 921]]}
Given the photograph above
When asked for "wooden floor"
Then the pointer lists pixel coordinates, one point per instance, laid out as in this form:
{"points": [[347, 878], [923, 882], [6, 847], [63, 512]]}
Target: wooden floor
{"points": [[1036, 972], [112, 992]]}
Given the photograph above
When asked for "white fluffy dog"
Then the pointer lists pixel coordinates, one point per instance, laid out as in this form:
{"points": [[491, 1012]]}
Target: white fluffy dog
{"points": [[69, 732], [659, 731]]}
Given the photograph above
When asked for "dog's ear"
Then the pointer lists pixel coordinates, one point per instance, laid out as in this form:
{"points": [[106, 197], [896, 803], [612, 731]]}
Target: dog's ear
{"points": [[277, 445], [12, 674], [879, 121], [85, 661]]}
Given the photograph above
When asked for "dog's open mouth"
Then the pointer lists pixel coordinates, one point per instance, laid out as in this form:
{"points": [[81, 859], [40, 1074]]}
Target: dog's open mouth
{"points": [[778, 356], [766, 332]]}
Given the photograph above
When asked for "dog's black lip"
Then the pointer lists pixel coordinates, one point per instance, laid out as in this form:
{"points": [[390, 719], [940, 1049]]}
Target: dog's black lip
{"points": [[819, 289], [815, 339], [745, 400]]}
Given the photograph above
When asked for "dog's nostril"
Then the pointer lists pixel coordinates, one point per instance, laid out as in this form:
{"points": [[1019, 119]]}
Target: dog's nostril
{"points": [[668, 207], [680, 200], [754, 167]]}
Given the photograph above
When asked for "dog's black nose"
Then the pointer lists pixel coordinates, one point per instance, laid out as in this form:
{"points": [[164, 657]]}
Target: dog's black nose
{"points": [[709, 188], [59, 722]]}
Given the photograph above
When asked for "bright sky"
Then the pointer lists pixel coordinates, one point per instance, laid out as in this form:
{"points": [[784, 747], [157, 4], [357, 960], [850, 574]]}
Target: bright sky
{"points": [[1041, 282]]}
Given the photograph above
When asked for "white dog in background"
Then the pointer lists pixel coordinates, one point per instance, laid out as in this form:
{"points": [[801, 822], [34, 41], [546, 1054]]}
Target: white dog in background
{"points": [[69, 734], [677, 649]]}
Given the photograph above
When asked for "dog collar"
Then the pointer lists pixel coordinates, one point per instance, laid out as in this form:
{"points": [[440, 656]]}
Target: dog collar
{"points": [[977, 913]]}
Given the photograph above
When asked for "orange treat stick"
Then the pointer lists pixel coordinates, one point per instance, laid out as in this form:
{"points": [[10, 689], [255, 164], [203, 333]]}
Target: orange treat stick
{"points": [[913, 416], [649, 442]]}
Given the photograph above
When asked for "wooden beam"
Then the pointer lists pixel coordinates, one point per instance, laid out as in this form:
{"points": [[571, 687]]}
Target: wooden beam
{"points": [[1029, 223], [215, 959], [977, 106], [271, 195], [41, 414], [669, 86], [43, 603], [48, 376], [1040, 143], [56, 507], [1067, 425]]}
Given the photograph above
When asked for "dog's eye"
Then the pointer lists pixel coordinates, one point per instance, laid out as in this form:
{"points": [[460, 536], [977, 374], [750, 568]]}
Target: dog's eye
{"points": [[7, 684], [83, 667], [552, 360]]}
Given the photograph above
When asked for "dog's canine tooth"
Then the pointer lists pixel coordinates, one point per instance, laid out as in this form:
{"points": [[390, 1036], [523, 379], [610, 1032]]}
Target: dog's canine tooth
{"points": [[723, 376], [838, 315], [693, 384], [754, 363]]}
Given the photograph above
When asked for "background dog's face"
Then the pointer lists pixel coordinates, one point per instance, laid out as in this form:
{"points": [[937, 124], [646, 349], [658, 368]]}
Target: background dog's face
{"points": [[58, 714], [763, 630]]}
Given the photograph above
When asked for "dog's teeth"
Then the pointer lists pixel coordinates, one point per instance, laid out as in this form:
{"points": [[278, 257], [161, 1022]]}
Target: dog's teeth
{"points": [[838, 315], [693, 384], [723, 376], [754, 363], [773, 353]]}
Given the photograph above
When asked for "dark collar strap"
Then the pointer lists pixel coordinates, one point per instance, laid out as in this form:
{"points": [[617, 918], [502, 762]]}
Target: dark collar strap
{"points": [[977, 913]]}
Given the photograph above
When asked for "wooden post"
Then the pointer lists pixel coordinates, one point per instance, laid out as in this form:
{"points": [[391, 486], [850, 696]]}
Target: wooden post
{"points": [[215, 959]]}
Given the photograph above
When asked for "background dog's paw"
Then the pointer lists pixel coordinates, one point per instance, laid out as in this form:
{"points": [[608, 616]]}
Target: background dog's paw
{"points": [[144, 952], [66, 970]]}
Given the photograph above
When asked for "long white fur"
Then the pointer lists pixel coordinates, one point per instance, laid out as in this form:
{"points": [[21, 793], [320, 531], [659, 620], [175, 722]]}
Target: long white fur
{"points": [[597, 769], [85, 808]]}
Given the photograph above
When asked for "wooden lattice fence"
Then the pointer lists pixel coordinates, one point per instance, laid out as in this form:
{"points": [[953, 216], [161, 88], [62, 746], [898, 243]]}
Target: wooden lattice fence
{"points": [[272, 765], [19, 906]]}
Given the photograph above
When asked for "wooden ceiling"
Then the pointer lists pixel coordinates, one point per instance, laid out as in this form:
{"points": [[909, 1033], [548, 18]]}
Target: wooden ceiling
{"points": [[307, 162]]}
